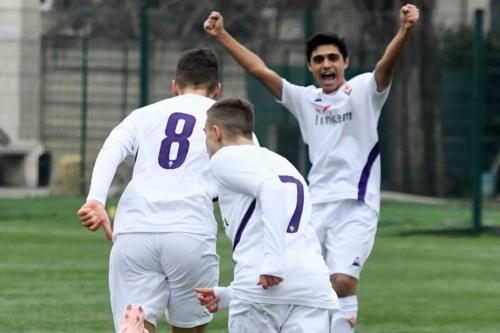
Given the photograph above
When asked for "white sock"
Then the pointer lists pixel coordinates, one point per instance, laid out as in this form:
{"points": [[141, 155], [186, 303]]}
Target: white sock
{"points": [[348, 308]]}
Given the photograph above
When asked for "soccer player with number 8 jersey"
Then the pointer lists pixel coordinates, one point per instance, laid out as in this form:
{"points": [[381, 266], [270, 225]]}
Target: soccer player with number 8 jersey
{"points": [[164, 235], [281, 282]]}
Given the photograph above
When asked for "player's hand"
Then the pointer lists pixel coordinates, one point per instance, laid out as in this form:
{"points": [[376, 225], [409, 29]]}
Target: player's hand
{"points": [[267, 281], [214, 24], [92, 215], [207, 298], [409, 16]]}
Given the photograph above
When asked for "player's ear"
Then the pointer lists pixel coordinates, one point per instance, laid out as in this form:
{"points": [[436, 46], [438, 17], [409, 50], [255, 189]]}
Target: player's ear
{"points": [[217, 132], [175, 89], [347, 62], [217, 91]]}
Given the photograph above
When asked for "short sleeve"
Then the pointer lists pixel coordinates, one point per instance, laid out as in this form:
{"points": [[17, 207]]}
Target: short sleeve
{"points": [[378, 97], [291, 97]]}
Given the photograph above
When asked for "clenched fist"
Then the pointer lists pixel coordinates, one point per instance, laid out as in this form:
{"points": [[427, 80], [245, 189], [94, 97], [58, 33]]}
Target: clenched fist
{"points": [[409, 16]]}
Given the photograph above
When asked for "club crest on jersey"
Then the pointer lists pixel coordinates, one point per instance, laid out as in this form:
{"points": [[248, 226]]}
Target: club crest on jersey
{"points": [[323, 109], [347, 89]]}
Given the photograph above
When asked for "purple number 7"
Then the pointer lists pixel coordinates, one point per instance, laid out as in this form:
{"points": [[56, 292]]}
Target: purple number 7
{"points": [[293, 226]]}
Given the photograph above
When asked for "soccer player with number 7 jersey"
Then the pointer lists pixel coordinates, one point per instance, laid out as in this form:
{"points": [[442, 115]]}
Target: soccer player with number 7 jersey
{"points": [[338, 121], [281, 282], [164, 230]]}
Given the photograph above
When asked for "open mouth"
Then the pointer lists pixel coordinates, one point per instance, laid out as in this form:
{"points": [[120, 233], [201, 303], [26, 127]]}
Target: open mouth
{"points": [[328, 77]]}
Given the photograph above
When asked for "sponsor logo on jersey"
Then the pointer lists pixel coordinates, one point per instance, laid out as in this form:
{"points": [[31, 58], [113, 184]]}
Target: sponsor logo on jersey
{"points": [[330, 118]]}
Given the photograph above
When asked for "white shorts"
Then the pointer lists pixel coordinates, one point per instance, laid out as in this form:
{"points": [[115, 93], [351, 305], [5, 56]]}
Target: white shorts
{"points": [[159, 271], [276, 318], [346, 230]]}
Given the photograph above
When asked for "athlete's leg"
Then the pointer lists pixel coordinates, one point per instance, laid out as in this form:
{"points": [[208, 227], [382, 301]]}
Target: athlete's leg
{"points": [[344, 320], [344, 285], [256, 317], [349, 240], [189, 261], [133, 320], [305, 319], [149, 327], [136, 277]]}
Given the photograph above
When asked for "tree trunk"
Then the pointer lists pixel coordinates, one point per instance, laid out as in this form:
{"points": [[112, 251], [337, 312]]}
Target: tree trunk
{"points": [[416, 157], [431, 91]]}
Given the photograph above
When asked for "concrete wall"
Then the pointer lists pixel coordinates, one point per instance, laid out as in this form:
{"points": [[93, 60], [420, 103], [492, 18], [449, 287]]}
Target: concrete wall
{"points": [[20, 92], [19, 73], [454, 13]]}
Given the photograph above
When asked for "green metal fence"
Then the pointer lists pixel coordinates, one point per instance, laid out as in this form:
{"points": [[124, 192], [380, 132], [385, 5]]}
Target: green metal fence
{"points": [[90, 82]]}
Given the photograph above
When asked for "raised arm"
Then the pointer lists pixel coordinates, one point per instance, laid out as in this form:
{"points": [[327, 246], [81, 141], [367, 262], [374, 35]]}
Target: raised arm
{"points": [[409, 16], [251, 62]]}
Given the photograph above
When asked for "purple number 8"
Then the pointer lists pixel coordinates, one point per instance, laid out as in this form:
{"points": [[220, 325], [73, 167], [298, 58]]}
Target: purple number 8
{"points": [[293, 226], [181, 138]]}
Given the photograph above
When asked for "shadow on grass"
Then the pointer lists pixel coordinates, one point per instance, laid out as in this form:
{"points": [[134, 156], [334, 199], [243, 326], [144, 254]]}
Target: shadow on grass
{"points": [[455, 232]]}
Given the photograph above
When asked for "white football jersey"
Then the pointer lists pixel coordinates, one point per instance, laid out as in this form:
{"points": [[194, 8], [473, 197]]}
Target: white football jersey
{"points": [[340, 130], [171, 189], [266, 211]]}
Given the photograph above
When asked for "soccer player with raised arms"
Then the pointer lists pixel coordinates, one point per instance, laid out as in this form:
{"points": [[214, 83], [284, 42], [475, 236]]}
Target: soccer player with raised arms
{"points": [[338, 121], [281, 282], [164, 235]]}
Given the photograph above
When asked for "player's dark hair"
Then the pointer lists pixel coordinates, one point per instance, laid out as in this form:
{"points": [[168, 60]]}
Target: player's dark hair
{"points": [[234, 115], [198, 68], [325, 38]]}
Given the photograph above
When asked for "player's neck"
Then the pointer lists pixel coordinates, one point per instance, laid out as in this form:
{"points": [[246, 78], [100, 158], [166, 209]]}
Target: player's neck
{"points": [[331, 90], [237, 141], [196, 91]]}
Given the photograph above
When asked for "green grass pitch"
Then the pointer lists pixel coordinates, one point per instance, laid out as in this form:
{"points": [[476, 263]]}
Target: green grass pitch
{"points": [[53, 273]]}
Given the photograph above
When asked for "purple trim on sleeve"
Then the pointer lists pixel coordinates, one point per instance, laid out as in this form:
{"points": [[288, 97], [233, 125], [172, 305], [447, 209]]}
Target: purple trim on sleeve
{"points": [[243, 223], [365, 174]]}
